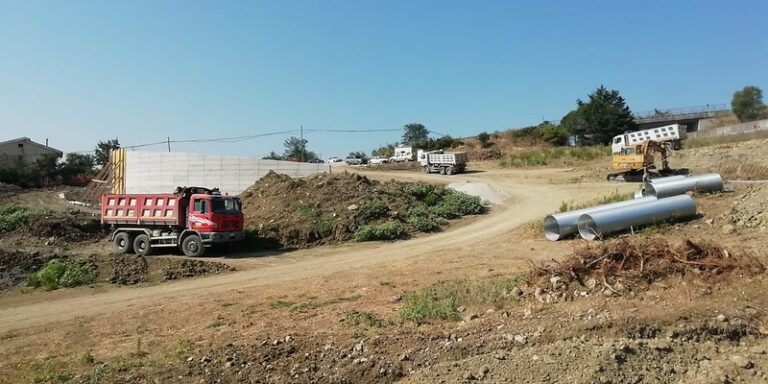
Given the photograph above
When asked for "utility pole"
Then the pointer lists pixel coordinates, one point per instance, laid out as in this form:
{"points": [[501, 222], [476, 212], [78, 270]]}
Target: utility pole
{"points": [[303, 147], [169, 143]]}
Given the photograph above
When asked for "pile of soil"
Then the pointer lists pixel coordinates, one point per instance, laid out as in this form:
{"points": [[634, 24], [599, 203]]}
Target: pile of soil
{"points": [[74, 226], [129, 270], [733, 161], [750, 208], [625, 265], [16, 265], [180, 269], [319, 209]]}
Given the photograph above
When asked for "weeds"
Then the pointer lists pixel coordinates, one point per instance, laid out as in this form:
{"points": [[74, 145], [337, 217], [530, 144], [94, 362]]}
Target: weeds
{"points": [[87, 358], [281, 304], [305, 209], [68, 273], [367, 319], [323, 226], [183, 347], [546, 156], [440, 301], [308, 305], [373, 209], [390, 230], [614, 197], [217, 322], [457, 204], [13, 217]]}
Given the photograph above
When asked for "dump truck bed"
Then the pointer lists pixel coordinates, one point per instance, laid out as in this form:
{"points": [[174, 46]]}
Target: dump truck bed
{"points": [[457, 158], [141, 209]]}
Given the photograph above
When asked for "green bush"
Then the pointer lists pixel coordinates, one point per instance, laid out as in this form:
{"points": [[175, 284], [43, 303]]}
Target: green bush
{"points": [[68, 273], [373, 209], [456, 204], [419, 190], [13, 217], [387, 231], [546, 156], [423, 223], [428, 303], [323, 226]]}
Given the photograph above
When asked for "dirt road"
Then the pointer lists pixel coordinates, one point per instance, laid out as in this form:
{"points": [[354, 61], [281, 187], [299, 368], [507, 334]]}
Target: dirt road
{"points": [[531, 195]]}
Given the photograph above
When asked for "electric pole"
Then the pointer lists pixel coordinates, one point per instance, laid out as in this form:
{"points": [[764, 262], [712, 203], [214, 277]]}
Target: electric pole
{"points": [[303, 147]]}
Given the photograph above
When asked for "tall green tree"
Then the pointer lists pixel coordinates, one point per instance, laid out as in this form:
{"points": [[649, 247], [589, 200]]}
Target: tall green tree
{"points": [[77, 164], [101, 152], [296, 150], [747, 104], [414, 133], [604, 116], [484, 138], [554, 134]]}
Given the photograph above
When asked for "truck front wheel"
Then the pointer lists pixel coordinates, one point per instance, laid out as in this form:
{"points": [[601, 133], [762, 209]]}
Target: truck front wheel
{"points": [[192, 246], [142, 246], [123, 243]]}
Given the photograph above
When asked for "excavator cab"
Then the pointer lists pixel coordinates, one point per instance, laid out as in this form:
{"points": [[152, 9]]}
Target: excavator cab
{"points": [[635, 161]]}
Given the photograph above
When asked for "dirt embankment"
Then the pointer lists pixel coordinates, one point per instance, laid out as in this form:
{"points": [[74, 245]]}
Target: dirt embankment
{"points": [[734, 161], [331, 208]]}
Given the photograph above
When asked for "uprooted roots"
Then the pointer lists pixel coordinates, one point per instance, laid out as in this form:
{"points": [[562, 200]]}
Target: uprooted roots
{"points": [[635, 261]]}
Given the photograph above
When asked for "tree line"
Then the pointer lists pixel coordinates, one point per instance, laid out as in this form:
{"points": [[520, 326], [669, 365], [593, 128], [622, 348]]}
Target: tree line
{"points": [[73, 169]]}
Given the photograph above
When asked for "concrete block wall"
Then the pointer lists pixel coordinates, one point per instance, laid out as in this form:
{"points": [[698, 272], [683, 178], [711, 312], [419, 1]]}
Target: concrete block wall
{"points": [[162, 172], [752, 126]]}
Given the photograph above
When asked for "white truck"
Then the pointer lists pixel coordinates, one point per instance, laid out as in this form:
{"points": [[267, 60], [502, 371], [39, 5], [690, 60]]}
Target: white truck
{"points": [[674, 133], [444, 163], [404, 154]]}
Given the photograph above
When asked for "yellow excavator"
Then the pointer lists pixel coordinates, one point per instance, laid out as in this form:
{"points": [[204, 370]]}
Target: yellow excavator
{"points": [[634, 154]]}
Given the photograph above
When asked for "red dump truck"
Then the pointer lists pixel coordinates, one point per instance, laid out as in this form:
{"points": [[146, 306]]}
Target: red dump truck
{"points": [[192, 218]]}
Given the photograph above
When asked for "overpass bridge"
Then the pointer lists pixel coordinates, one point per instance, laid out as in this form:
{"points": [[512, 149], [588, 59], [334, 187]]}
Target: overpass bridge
{"points": [[690, 116]]}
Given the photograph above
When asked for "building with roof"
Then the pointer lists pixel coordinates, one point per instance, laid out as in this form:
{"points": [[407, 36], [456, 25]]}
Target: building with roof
{"points": [[25, 149]]}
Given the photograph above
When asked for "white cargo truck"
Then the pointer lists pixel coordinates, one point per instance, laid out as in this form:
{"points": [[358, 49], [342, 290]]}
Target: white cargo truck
{"points": [[404, 154], [441, 162], [673, 134]]}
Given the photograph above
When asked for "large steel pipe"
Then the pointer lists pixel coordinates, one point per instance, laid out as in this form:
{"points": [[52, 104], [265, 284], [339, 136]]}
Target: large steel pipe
{"points": [[668, 178], [710, 182], [560, 225], [605, 222]]}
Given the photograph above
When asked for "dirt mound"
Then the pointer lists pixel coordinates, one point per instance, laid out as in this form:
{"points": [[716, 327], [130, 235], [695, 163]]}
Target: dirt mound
{"points": [[129, 270], [71, 227], [624, 265], [734, 161], [16, 265], [750, 208], [330, 208], [180, 269]]}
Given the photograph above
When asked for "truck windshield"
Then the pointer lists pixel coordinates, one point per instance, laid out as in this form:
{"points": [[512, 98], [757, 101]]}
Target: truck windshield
{"points": [[225, 205]]}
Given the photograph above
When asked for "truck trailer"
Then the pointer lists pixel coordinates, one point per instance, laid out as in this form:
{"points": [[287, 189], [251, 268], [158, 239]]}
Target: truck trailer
{"points": [[191, 218], [443, 163]]}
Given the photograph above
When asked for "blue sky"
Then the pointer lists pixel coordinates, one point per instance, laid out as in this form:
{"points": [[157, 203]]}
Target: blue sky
{"points": [[78, 72]]}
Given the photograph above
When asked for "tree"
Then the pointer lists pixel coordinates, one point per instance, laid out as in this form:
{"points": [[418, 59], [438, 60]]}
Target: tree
{"points": [[414, 133], [273, 156], [553, 134], [604, 116], [661, 113], [358, 155], [295, 148], [385, 151], [101, 152], [484, 138], [747, 104], [76, 164], [574, 124]]}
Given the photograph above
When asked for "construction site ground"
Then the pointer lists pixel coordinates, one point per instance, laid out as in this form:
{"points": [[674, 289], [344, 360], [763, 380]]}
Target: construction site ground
{"points": [[288, 316]]}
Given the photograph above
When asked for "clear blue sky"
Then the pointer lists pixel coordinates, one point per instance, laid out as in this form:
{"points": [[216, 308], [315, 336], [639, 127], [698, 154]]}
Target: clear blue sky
{"points": [[79, 71]]}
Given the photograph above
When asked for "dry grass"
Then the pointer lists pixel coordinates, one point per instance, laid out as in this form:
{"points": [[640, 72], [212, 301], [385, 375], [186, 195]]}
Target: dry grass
{"points": [[709, 141], [644, 260]]}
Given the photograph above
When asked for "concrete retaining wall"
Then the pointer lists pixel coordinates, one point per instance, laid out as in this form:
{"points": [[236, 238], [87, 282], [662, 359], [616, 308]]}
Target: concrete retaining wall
{"points": [[752, 126], [161, 172]]}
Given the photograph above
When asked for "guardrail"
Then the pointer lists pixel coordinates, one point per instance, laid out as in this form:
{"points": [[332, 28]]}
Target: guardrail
{"points": [[673, 112]]}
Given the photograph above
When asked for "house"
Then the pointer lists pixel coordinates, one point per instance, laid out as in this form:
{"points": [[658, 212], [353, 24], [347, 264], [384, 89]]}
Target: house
{"points": [[26, 149]]}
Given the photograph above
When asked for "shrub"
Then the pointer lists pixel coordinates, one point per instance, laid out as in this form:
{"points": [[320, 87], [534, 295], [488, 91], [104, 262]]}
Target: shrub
{"points": [[63, 274], [387, 231], [546, 156], [457, 204], [423, 223], [427, 304], [419, 190], [432, 199], [323, 226], [305, 209], [13, 217], [373, 209]]}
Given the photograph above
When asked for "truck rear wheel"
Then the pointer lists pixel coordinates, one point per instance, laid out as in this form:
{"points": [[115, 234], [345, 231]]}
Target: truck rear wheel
{"points": [[192, 246], [442, 170], [123, 243], [449, 171], [426, 169], [142, 246]]}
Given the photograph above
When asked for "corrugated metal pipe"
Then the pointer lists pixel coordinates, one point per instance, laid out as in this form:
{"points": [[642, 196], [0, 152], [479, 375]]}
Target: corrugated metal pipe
{"points": [[560, 225], [601, 223], [710, 182]]}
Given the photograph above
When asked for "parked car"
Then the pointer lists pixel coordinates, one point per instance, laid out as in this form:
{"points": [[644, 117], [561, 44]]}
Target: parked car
{"points": [[335, 160], [379, 160], [316, 161], [353, 161]]}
